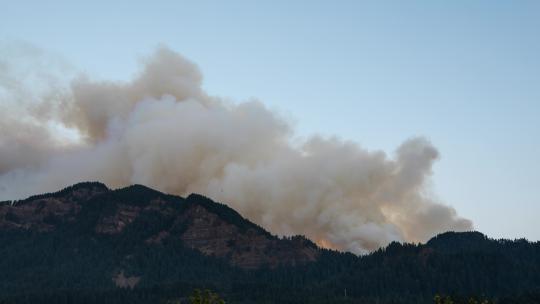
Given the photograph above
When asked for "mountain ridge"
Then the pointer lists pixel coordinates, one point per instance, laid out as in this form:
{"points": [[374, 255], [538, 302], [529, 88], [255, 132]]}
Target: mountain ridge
{"points": [[89, 244], [41, 211]]}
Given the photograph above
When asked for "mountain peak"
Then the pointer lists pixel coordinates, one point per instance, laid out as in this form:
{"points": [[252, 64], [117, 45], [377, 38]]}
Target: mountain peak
{"points": [[81, 189], [149, 217], [453, 236], [457, 241]]}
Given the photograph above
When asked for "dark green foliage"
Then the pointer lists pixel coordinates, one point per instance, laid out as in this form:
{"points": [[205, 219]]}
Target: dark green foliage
{"points": [[442, 299], [525, 298], [74, 264], [205, 297], [12, 217]]}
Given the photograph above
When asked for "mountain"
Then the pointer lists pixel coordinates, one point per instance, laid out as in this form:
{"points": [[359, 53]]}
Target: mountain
{"points": [[90, 244], [152, 217]]}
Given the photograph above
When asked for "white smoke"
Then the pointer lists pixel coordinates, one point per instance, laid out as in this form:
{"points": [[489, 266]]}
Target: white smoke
{"points": [[162, 130]]}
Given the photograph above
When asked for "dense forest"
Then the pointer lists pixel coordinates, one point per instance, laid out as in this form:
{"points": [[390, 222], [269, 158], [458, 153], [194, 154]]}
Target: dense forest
{"points": [[72, 262]]}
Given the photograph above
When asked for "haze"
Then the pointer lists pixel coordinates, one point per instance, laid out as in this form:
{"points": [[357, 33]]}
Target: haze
{"points": [[462, 75]]}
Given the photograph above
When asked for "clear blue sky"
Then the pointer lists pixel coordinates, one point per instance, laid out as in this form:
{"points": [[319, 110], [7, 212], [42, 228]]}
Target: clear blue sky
{"points": [[465, 74]]}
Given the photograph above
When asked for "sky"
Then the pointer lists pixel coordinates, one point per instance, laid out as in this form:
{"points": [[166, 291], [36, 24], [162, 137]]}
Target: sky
{"points": [[464, 74]]}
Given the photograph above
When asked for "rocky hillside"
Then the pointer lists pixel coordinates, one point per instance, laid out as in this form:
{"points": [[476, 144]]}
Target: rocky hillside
{"points": [[197, 222], [90, 244]]}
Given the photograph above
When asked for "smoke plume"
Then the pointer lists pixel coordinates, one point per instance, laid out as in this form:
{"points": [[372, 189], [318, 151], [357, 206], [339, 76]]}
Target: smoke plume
{"points": [[162, 130]]}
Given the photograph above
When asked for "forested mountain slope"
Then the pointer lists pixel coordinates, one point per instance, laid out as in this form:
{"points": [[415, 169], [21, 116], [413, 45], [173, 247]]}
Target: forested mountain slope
{"points": [[90, 244]]}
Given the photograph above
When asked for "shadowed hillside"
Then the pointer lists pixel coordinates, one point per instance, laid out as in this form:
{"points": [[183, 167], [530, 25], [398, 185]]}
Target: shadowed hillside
{"points": [[89, 244]]}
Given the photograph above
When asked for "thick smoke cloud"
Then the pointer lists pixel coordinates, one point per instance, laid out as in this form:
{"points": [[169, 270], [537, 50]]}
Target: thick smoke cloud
{"points": [[162, 130]]}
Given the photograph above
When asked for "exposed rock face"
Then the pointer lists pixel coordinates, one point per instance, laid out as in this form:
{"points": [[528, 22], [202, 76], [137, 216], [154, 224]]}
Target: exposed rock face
{"points": [[126, 282], [125, 215], [199, 223], [43, 212], [208, 233]]}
